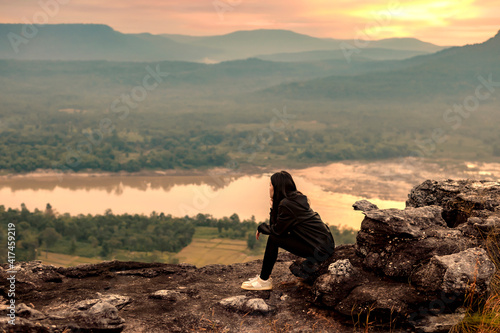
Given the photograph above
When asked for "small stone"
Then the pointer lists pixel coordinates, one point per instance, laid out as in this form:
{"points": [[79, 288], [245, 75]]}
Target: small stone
{"points": [[104, 315], [29, 313], [168, 295], [440, 323], [118, 301], [86, 304], [247, 305], [341, 267]]}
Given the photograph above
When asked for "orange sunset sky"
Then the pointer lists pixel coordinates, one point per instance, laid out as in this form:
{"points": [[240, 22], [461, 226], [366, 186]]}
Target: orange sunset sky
{"points": [[443, 22]]}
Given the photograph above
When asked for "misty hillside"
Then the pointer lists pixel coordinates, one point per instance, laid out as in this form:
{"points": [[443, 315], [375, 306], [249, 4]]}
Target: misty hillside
{"points": [[95, 42], [407, 44], [448, 72], [244, 44], [101, 42], [187, 79], [364, 54], [259, 43]]}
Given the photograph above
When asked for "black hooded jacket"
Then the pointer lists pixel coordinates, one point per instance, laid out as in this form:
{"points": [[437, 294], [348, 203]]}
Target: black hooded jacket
{"points": [[296, 217]]}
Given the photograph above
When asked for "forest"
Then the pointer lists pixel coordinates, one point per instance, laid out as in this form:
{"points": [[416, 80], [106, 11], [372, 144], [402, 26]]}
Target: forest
{"points": [[102, 235], [56, 144], [97, 115]]}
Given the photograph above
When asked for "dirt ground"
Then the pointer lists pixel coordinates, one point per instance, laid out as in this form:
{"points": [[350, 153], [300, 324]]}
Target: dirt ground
{"points": [[198, 308]]}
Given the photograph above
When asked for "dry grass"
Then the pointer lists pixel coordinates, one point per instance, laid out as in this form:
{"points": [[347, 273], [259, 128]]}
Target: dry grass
{"points": [[483, 316], [361, 319], [209, 325], [276, 326]]}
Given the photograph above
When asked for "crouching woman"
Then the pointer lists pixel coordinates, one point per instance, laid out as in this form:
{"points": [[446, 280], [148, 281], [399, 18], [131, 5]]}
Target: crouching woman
{"points": [[293, 226]]}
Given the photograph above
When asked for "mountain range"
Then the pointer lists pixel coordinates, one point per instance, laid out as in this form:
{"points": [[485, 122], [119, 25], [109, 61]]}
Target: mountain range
{"points": [[446, 72], [101, 42], [449, 72]]}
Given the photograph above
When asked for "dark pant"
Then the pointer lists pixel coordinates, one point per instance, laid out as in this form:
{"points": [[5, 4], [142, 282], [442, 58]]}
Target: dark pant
{"points": [[288, 242]]}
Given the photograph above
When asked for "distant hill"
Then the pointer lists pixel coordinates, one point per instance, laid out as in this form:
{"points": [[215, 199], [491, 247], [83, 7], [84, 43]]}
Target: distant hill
{"points": [[95, 42], [260, 43], [408, 44], [244, 44], [449, 72], [101, 42], [366, 54]]}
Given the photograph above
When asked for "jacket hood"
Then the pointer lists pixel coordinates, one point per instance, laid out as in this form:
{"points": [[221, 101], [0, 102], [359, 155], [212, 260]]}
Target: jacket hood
{"points": [[296, 200]]}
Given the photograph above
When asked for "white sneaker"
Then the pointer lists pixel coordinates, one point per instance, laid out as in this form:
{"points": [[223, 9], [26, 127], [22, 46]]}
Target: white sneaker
{"points": [[256, 283], [253, 279]]}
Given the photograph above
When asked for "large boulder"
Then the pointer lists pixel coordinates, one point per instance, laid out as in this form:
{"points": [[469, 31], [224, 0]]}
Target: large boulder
{"points": [[459, 274], [394, 242], [460, 199], [416, 265], [381, 300]]}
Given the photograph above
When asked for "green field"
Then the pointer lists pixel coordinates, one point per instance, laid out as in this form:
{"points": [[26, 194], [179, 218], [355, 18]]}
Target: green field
{"points": [[64, 260], [202, 252], [204, 249]]}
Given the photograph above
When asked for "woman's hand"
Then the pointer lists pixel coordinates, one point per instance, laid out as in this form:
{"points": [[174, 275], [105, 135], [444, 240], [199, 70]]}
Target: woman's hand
{"points": [[257, 234]]}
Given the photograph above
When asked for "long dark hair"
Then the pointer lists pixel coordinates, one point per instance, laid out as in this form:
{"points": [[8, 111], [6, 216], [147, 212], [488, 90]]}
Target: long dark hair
{"points": [[284, 187]]}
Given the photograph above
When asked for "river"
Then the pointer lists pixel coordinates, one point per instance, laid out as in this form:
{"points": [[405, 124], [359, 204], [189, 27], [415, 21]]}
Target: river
{"points": [[331, 189]]}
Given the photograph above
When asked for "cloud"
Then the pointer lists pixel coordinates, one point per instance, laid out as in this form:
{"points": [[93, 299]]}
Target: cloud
{"points": [[445, 22]]}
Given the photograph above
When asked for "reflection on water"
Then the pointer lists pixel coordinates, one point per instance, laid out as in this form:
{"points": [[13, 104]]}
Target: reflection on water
{"points": [[332, 189], [110, 184], [177, 195]]}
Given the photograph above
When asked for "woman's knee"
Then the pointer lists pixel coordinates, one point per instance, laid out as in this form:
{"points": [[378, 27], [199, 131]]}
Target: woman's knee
{"points": [[272, 242], [271, 237], [276, 240]]}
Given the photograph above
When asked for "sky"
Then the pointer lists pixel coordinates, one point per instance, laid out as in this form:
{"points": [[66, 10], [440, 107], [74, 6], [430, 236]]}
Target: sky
{"points": [[443, 22]]}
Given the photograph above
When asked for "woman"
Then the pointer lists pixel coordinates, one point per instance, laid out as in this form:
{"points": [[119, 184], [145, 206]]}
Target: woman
{"points": [[293, 226]]}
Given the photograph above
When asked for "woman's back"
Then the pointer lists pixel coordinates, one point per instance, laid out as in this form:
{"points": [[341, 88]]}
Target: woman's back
{"points": [[307, 224]]}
